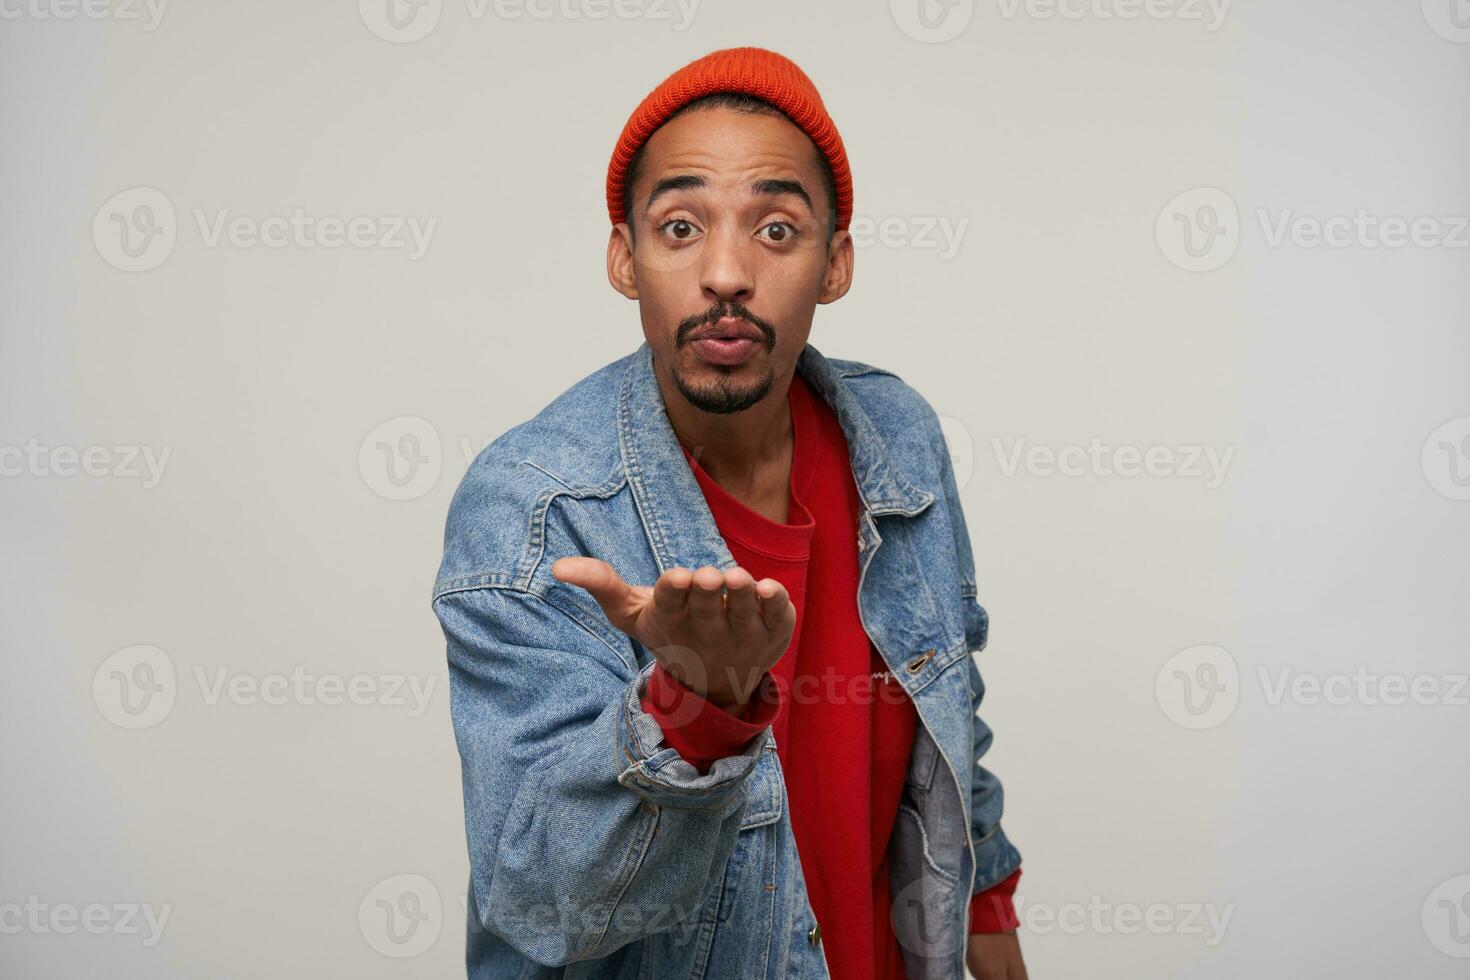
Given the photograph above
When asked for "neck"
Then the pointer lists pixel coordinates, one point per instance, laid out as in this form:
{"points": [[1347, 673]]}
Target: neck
{"points": [[743, 451]]}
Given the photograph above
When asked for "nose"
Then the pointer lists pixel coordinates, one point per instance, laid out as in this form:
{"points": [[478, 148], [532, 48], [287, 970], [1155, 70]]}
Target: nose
{"points": [[725, 274]]}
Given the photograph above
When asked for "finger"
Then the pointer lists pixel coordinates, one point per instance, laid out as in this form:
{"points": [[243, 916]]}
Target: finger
{"points": [[707, 597], [598, 578], [742, 607], [777, 612], [671, 592]]}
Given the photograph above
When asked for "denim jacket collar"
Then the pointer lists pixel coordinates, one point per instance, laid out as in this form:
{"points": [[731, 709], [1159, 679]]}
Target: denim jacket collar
{"points": [[680, 527]]}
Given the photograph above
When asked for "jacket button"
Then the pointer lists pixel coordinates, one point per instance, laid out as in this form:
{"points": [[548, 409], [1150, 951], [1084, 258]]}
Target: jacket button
{"points": [[814, 934]]}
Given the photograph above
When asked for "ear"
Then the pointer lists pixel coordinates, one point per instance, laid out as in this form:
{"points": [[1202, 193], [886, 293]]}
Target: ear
{"points": [[620, 270], [838, 276]]}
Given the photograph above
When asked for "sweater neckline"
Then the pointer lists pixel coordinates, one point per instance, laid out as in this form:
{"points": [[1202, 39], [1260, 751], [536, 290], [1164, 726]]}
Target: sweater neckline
{"points": [[790, 541]]}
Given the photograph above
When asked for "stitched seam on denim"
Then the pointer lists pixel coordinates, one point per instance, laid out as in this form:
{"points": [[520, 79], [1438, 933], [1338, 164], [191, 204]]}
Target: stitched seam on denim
{"points": [[536, 543], [508, 587], [463, 583], [924, 846], [642, 849], [876, 462], [951, 656], [928, 781], [634, 472], [629, 700], [530, 784], [771, 804], [604, 489], [662, 785], [981, 840]]}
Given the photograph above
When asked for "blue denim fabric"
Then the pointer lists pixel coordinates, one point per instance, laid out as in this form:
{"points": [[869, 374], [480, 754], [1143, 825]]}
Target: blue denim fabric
{"points": [[596, 851]]}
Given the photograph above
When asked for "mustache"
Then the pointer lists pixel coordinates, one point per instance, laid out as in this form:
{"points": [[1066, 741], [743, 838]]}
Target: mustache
{"points": [[719, 311]]}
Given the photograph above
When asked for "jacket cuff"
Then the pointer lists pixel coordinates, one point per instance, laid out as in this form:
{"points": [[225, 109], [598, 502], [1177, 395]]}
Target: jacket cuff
{"points": [[655, 770], [700, 730], [993, 910]]}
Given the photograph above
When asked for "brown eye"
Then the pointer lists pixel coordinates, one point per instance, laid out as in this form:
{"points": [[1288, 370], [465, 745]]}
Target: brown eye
{"points": [[779, 232], [681, 228]]}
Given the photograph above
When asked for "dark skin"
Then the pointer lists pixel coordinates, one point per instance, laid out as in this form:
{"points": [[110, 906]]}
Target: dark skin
{"points": [[731, 217]]}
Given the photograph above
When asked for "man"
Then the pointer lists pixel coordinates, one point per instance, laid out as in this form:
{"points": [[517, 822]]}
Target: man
{"points": [[710, 614]]}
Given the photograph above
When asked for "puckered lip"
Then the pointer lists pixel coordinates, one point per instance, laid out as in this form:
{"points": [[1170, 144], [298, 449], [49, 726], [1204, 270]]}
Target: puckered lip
{"points": [[728, 328]]}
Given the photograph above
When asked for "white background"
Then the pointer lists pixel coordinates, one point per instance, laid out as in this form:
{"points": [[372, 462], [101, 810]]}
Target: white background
{"points": [[1331, 834]]}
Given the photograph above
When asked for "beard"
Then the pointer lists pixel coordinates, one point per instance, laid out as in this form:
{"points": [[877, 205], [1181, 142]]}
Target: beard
{"points": [[727, 393]]}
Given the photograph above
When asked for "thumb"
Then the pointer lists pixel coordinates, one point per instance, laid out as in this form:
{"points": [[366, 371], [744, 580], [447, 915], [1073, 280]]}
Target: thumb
{"points": [[603, 582]]}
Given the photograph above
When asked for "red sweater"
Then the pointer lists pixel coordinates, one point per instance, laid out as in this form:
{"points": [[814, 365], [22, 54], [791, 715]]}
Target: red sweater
{"points": [[845, 730]]}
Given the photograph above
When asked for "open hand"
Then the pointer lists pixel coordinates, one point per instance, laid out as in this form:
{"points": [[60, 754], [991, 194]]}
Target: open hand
{"points": [[715, 632]]}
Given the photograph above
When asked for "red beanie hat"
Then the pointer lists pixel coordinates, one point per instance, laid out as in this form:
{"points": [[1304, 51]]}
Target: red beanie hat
{"points": [[754, 71]]}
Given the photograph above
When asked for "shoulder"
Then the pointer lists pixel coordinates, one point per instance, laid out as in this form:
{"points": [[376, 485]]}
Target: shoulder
{"points": [[894, 405], [498, 514]]}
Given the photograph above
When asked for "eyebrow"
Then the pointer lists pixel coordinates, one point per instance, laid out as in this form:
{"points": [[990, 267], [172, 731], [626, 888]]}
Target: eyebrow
{"points": [[769, 186]]}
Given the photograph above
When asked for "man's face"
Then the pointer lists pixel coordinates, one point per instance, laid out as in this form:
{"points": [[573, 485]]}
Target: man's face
{"points": [[731, 255]]}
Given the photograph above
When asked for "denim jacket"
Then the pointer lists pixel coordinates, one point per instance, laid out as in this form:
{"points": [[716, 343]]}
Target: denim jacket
{"points": [[595, 849]]}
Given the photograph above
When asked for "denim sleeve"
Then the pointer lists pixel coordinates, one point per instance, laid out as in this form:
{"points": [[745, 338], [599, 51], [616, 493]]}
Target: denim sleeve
{"points": [[586, 831], [995, 857]]}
